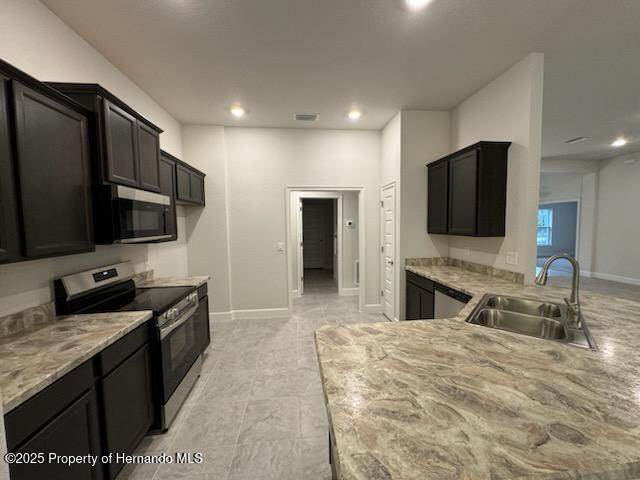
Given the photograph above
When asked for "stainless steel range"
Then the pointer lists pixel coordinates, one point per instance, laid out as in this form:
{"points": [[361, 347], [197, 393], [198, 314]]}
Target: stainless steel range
{"points": [[181, 326]]}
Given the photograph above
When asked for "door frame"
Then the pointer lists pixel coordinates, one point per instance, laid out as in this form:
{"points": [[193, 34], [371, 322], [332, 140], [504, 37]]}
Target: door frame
{"points": [[293, 250], [578, 213], [396, 276]]}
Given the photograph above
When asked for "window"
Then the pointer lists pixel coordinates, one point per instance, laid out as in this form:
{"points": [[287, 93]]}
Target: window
{"points": [[545, 227]]}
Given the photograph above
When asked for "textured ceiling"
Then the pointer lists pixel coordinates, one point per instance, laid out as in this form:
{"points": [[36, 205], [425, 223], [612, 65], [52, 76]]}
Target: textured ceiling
{"points": [[278, 57]]}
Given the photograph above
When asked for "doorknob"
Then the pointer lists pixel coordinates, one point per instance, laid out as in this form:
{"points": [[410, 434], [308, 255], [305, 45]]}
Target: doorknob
{"points": [[390, 262]]}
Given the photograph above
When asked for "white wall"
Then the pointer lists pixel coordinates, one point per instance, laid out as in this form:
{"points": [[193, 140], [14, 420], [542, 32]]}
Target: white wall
{"points": [[350, 247], [557, 186], [509, 108], [262, 162], [617, 242], [425, 137], [36, 41], [258, 164], [207, 228]]}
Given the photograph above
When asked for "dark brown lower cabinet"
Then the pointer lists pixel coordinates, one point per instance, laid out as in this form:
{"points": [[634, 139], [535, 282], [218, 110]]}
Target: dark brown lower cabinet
{"points": [[419, 298], [75, 431], [127, 406], [103, 406]]}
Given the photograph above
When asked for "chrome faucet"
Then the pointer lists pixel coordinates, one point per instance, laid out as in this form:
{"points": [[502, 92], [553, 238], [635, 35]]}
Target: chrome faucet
{"points": [[573, 302]]}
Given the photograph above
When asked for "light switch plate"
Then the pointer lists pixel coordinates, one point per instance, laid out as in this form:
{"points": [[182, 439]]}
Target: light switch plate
{"points": [[512, 258]]}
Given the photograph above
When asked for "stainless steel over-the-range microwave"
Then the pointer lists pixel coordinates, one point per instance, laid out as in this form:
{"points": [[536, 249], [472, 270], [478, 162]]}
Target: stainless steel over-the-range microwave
{"points": [[130, 215]]}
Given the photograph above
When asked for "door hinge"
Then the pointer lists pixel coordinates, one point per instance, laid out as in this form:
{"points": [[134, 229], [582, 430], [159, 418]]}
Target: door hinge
{"points": [[381, 203], [382, 293], [382, 248]]}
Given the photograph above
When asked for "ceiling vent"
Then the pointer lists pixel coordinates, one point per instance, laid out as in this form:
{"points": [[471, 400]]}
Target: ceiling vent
{"points": [[571, 141], [307, 117]]}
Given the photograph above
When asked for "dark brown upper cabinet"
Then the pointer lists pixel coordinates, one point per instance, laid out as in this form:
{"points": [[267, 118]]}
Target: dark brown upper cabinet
{"points": [[168, 188], [437, 211], [125, 144], [45, 194], [189, 185], [9, 227], [467, 191], [121, 142]]}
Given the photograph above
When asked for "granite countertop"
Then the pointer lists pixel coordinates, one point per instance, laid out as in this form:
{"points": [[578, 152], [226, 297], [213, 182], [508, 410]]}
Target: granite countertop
{"points": [[33, 359], [195, 281], [444, 399]]}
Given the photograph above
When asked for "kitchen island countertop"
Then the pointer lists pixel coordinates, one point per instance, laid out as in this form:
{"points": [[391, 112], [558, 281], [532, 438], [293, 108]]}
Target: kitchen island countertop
{"points": [[444, 399]]}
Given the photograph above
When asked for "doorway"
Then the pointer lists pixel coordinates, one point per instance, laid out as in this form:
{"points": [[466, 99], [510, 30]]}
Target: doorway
{"points": [[558, 227], [319, 245], [345, 276]]}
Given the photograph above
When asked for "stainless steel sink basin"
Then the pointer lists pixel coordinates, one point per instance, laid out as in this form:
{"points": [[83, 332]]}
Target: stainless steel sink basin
{"points": [[521, 323], [545, 320], [528, 307]]}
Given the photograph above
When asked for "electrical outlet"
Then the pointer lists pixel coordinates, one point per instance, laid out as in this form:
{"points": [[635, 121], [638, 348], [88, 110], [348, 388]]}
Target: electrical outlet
{"points": [[467, 252], [280, 246], [512, 258]]}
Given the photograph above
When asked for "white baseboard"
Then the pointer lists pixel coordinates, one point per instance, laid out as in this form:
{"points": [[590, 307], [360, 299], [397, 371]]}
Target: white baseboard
{"points": [[296, 293], [350, 292], [372, 308], [260, 313], [249, 314], [219, 316], [585, 273], [616, 278]]}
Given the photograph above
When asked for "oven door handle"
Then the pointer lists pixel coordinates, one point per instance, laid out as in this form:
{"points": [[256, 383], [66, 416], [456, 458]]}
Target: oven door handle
{"points": [[164, 331]]}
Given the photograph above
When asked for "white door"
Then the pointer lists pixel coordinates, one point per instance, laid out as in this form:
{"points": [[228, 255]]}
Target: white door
{"points": [[388, 203]]}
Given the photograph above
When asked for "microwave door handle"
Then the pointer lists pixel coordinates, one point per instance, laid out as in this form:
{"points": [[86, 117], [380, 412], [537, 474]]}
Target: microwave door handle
{"points": [[178, 322]]}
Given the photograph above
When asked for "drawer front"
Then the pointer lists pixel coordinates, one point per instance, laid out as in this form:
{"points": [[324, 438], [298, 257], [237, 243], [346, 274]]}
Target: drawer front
{"points": [[419, 281], [115, 354]]}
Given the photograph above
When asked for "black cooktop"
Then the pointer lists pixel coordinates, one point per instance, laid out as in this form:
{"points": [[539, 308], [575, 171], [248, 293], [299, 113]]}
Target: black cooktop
{"points": [[158, 299]]}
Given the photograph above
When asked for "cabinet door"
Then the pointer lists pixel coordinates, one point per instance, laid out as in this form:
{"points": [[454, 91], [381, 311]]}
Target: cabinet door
{"points": [[167, 187], [183, 183], [128, 405], [54, 177], [413, 302], [463, 194], [9, 229], [121, 139], [75, 432], [149, 157], [437, 205], [197, 188], [426, 305]]}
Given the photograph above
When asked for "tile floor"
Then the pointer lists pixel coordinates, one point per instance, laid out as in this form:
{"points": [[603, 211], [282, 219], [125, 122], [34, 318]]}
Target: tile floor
{"points": [[258, 412]]}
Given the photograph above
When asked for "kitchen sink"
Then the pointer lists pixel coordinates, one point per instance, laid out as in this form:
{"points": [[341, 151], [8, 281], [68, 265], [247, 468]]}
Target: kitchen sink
{"points": [[521, 323], [527, 307], [534, 318]]}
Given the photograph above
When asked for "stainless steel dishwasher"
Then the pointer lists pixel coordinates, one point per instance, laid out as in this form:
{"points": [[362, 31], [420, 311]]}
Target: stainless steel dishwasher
{"points": [[448, 302]]}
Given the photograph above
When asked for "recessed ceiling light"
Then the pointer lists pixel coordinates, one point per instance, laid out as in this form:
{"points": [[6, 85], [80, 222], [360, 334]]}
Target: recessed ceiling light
{"points": [[415, 5], [620, 142], [237, 111], [354, 114]]}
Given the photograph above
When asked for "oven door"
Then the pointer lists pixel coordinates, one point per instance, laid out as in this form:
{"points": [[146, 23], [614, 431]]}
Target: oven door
{"points": [[180, 346], [140, 216]]}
